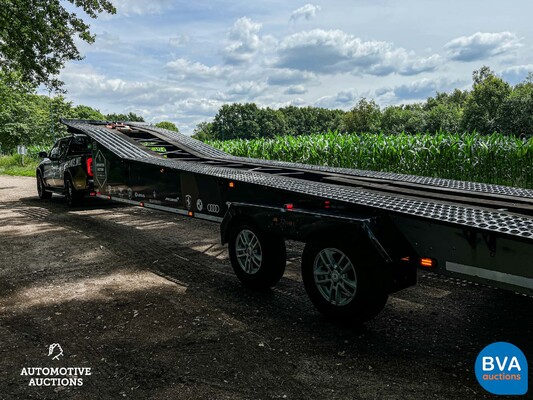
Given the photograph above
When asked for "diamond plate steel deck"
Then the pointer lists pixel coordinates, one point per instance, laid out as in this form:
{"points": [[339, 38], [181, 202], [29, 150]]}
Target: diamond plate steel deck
{"points": [[505, 223]]}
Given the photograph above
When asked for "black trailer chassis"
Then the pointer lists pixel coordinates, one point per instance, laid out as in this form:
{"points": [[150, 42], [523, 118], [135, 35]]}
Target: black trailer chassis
{"points": [[366, 233]]}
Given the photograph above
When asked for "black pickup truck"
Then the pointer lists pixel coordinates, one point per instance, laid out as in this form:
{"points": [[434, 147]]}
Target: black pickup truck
{"points": [[67, 169]]}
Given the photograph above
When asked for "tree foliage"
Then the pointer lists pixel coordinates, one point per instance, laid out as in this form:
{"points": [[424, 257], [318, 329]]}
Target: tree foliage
{"points": [[204, 131], [85, 112], [247, 121], [37, 37], [483, 105], [171, 126], [130, 117], [364, 117], [30, 119]]}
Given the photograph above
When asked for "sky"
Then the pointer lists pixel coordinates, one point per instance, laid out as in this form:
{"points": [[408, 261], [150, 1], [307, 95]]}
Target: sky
{"points": [[180, 61]]}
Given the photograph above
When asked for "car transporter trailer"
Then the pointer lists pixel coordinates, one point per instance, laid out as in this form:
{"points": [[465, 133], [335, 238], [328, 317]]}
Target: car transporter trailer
{"points": [[365, 232]]}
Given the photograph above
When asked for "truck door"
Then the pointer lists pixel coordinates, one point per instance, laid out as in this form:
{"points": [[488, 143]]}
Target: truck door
{"points": [[48, 166], [57, 167]]}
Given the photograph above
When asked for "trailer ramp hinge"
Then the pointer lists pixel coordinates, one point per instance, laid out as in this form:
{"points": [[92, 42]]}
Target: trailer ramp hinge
{"points": [[377, 244], [490, 241]]}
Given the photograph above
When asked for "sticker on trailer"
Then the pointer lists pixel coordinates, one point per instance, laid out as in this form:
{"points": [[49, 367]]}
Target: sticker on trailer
{"points": [[199, 205], [100, 174], [213, 208]]}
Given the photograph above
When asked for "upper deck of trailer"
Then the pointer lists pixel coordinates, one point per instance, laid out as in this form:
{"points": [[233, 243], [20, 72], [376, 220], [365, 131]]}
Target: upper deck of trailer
{"points": [[492, 208]]}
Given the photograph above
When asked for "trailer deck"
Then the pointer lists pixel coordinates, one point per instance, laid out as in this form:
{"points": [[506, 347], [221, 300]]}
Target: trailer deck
{"points": [[480, 231]]}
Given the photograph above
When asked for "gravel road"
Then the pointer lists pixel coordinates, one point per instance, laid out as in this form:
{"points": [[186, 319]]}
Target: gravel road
{"points": [[149, 303]]}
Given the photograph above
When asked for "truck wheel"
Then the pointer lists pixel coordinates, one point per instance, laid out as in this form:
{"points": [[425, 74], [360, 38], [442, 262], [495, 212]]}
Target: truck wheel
{"points": [[258, 259], [41, 191], [343, 281], [73, 197]]}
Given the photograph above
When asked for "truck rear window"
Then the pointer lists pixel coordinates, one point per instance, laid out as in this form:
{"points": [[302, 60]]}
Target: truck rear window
{"points": [[80, 145]]}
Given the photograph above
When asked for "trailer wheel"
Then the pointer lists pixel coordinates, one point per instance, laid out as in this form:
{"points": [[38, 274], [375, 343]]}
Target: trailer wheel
{"points": [[258, 259], [41, 191], [342, 280], [73, 196]]}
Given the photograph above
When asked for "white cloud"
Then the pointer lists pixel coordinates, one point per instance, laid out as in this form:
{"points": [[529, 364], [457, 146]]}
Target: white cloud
{"points": [[416, 90], [141, 7], [295, 89], [86, 83], [517, 73], [180, 40], [247, 89], [285, 76], [334, 51], [183, 68], [482, 45], [307, 12], [243, 41], [343, 99]]}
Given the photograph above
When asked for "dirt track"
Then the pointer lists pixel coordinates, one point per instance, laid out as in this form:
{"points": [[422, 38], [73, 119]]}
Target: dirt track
{"points": [[148, 301]]}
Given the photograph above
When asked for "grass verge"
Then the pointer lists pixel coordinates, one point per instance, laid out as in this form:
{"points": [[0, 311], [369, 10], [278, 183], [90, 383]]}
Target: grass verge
{"points": [[12, 165]]}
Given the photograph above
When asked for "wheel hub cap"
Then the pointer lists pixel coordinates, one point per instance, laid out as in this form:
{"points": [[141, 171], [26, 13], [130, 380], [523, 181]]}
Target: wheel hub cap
{"points": [[248, 251], [335, 276]]}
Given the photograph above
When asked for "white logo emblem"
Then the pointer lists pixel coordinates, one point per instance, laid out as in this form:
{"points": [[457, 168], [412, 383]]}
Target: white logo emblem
{"points": [[55, 348], [213, 208], [188, 201], [199, 205]]}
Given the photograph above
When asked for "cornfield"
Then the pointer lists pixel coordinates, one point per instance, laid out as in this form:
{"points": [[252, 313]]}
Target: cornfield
{"points": [[492, 158]]}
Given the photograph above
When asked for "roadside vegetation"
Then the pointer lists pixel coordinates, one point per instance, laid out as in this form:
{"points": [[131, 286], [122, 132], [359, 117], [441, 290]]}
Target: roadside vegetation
{"points": [[12, 165]]}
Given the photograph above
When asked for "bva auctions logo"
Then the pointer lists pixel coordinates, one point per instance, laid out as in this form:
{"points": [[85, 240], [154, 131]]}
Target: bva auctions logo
{"points": [[501, 368]]}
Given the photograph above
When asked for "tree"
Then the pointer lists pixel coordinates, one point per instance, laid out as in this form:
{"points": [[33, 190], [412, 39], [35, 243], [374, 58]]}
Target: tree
{"points": [[204, 131], [515, 116], [410, 118], [131, 117], [167, 125], [364, 117], [444, 112], [37, 37], [86, 112], [443, 117], [271, 122], [27, 118], [295, 117], [236, 121], [483, 105], [309, 120]]}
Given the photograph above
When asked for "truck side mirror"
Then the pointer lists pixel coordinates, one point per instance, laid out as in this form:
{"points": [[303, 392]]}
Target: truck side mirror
{"points": [[43, 154]]}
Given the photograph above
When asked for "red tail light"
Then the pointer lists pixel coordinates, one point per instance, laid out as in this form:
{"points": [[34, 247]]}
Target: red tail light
{"points": [[89, 166]]}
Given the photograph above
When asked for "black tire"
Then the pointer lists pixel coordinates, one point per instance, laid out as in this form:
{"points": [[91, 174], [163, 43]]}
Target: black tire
{"points": [[73, 197], [357, 293], [256, 274], [41, 191]]}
